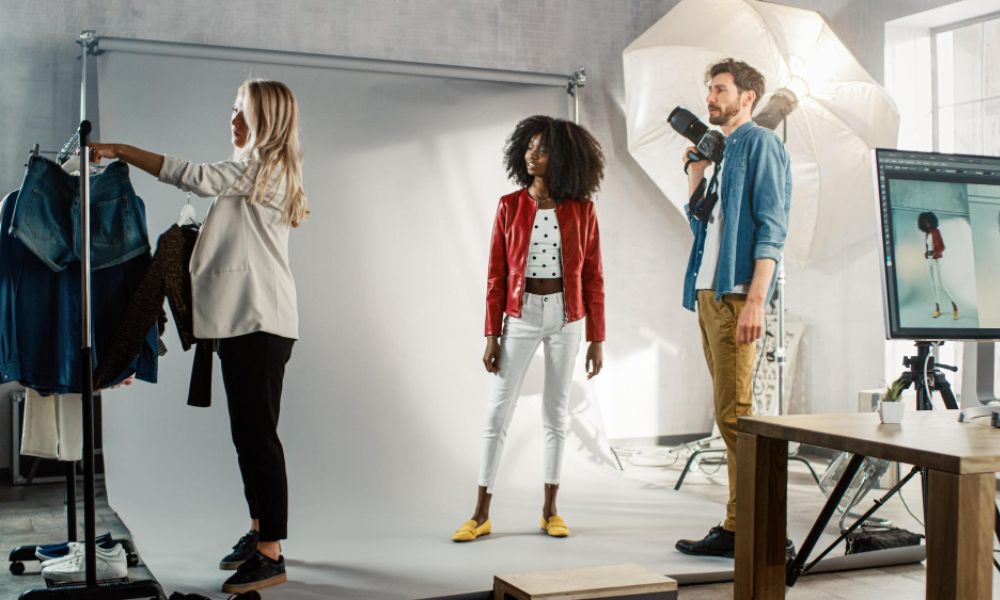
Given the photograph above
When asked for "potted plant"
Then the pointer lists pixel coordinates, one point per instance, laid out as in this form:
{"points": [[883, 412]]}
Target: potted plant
{"points": [[891, 408]]}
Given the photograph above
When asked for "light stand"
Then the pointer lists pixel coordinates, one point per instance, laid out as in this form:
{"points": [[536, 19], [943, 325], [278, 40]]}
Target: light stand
{"points": [[783, 101], [780, 356]]}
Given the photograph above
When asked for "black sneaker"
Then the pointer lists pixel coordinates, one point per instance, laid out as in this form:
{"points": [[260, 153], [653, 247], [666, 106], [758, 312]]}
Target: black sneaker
{"points": [[257, 573], [243, 550], [718, 542]]}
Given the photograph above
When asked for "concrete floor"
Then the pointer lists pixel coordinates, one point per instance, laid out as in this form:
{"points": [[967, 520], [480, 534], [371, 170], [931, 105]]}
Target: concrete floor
{"points": [[36, 514]]}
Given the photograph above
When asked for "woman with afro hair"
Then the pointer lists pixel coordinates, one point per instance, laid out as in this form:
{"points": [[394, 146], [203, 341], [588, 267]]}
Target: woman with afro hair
{"points": [[933, 251], [544, 277]]}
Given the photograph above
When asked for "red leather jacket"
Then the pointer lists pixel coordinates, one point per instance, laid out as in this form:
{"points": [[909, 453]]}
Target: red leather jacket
{"points": [[937, 244], [583, 276]]}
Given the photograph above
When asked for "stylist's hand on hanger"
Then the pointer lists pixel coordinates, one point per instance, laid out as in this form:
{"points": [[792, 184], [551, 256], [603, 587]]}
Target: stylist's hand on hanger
{"points": [[149, 162]]}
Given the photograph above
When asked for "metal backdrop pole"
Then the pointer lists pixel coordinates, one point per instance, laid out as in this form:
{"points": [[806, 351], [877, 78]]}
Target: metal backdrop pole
{"points": [[86, 356], [87, 39], [347, 63], [576, 81]]}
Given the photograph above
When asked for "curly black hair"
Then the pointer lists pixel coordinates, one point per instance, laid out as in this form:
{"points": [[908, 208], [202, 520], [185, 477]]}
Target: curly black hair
{"points": [[576, 162], [927, 221]]}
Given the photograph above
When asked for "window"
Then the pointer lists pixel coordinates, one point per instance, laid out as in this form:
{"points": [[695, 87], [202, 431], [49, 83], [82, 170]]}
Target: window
{"points": [[966, 87]]}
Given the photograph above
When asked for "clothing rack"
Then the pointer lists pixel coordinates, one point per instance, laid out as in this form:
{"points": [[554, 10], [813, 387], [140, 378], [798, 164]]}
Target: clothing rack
{"points": [[90, 589], [21, 554]]}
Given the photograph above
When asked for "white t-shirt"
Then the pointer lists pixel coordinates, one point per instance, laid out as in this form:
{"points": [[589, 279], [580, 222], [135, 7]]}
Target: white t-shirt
{"points": [[710, 253]]}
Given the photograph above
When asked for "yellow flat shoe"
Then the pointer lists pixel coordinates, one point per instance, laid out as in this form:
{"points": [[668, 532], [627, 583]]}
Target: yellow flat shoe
{"points": [[555, 526], [469, 531]]}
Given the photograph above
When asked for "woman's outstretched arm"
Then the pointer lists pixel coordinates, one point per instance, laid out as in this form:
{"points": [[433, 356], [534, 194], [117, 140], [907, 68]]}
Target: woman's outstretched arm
{"points": [[149, 162]]}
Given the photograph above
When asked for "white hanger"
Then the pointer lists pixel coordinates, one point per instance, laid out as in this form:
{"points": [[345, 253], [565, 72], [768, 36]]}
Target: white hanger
{"points": [[188, 216], [72, 165]]}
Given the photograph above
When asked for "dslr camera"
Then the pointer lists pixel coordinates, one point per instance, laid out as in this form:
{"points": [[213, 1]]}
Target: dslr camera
{"points": [[709, 143]]}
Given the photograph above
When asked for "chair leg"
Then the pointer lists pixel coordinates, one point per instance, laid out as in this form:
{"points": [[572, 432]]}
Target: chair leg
{"points": [[690, 462]]}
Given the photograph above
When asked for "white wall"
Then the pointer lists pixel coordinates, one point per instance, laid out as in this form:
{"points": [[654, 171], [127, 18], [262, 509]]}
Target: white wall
{"points": [[651, 338]]}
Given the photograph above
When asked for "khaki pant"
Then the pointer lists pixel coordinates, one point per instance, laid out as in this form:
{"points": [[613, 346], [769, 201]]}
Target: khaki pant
{"points": [[731, 367]]}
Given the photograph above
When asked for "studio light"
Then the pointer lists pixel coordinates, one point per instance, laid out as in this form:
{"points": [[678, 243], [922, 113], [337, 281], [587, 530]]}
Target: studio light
{"points": [[783, 101], [833, 109]]}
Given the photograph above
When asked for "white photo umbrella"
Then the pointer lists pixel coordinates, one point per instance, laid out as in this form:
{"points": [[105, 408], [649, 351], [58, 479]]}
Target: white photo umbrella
{"points": [[842, 112]]}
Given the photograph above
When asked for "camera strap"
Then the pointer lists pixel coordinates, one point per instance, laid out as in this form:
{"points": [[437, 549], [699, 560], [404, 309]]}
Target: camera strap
{"points": [[704, 198]]}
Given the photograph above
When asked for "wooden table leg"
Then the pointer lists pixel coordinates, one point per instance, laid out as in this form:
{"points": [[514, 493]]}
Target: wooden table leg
{"points": [[960, 515], [762, 477]]}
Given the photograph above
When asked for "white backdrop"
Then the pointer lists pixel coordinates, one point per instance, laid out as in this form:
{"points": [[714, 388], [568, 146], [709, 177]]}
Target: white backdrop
{"points": [[384, 395]]}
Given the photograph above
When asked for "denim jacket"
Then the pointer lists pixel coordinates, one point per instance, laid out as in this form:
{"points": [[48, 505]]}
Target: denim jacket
{"points": [[756, 194], [40, 315]]}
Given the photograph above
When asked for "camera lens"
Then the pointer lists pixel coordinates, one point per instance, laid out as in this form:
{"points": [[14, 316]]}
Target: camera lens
{"points": [[686, 124]]}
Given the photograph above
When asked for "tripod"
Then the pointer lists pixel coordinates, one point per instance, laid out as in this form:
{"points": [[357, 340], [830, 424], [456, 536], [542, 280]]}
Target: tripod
{"points": [[924, 372]]}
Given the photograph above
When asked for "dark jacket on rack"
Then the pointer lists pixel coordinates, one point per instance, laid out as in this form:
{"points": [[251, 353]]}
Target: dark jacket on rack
{"points": [[167, 276]]}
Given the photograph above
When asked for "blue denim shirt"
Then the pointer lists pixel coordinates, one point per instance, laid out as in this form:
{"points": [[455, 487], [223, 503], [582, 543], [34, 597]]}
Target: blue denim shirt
{"points": [[756, 194]]}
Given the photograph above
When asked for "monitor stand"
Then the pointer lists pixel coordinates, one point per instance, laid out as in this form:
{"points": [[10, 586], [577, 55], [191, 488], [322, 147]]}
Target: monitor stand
{"points": [[978, 373]]}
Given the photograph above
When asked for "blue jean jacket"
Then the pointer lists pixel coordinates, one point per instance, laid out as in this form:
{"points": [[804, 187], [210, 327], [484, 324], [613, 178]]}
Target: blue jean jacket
{"points": [[40, 315], [756, 195], [47, 216]]}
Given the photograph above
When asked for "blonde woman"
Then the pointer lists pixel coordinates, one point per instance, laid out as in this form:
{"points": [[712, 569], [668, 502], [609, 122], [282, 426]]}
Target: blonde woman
{"points": [[244, 296]]}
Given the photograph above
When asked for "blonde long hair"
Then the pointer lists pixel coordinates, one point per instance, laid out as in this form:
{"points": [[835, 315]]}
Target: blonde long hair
{"points": [[272, 117]]}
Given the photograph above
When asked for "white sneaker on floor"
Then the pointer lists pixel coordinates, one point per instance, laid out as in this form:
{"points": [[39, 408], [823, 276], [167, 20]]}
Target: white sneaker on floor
{"points": [[78, 549], [111, 564]]}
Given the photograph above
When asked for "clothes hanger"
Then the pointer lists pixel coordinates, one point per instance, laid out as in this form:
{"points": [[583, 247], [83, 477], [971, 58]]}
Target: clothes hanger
{"points": [[188, 216], [72, 165]]}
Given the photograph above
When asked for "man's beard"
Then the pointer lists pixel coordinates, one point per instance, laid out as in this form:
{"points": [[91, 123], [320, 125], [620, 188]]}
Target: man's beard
{"points": [[725, 113]]}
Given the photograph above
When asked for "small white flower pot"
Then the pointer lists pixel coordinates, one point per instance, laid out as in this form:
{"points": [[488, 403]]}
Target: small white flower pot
{"points": [[891, 412]]}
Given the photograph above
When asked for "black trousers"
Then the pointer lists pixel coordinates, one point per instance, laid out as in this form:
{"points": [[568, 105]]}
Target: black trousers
{"points": [[253, 367]]}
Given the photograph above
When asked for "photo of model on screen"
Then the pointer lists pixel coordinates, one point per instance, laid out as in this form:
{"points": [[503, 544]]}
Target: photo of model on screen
{"points": [[933, 251]]}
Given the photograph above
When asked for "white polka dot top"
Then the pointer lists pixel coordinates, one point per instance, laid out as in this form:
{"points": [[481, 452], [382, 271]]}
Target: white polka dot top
{"points": [[544, 253]]}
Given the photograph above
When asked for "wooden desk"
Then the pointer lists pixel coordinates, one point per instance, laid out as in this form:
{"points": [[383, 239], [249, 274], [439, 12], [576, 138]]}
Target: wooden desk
{"points": [[961, 458]]}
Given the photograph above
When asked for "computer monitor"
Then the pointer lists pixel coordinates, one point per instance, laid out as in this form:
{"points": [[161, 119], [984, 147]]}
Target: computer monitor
{"points": [[940, 245]]}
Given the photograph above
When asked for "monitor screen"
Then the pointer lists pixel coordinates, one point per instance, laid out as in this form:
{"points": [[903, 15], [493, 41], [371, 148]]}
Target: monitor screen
{"points": [[940, 225]]}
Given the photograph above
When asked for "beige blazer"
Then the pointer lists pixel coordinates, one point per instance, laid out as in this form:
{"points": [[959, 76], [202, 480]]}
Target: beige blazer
{"points": [[240, 276]]}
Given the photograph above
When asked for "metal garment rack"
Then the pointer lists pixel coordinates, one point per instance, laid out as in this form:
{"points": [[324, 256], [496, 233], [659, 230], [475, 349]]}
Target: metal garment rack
{"points": [[90, 589]]}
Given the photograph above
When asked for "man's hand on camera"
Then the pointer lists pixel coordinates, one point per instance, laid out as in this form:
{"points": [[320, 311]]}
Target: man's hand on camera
{"points": [[696, 167], [696, 170]]}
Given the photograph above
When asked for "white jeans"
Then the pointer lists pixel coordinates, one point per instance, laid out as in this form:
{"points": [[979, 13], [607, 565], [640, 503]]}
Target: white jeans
{"points": [[541, 322], [935, 269]]}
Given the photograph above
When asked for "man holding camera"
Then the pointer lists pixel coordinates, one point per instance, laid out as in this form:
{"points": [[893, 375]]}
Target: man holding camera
{"points": [[731, 271]]}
